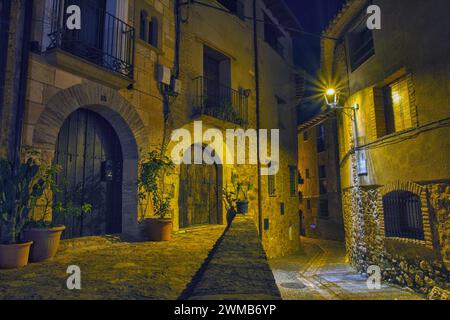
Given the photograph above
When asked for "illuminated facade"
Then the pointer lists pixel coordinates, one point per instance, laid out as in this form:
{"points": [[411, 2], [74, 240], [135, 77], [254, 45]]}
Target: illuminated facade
{"points": [[97, 99], [394, 154]]}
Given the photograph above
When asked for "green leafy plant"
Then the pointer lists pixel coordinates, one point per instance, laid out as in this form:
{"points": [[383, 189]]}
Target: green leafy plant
{"points": [[42, 207], [241, 188], [153, 167], [72, 202], [18, 193]]}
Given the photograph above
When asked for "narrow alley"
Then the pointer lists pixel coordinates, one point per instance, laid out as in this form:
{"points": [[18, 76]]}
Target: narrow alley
{"points": [[319, 272]]}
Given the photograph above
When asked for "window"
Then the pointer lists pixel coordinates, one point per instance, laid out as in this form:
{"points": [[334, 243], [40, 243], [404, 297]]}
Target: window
{"points": [[272, 35], [320, 134], [293, 181], [397, 108], [307, 174], [143, 25], [361, 46], [149, 29], [236, 7], [403, 215], [308, 204], [323, 209], [323, 179], [153, 32], [305, 136], [271, 185]]}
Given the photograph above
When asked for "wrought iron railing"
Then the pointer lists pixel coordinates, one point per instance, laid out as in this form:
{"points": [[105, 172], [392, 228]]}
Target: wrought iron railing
{"points": [[216, 100], [103, 38]]}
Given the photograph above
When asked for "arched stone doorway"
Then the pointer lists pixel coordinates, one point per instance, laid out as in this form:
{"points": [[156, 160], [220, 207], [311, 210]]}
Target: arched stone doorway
{"points": [[122, 118], [89, 153], [200, 195]]}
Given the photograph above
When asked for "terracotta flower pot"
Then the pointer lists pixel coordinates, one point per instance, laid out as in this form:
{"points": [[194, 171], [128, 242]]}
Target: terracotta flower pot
{"points": [[13, 256], [45, 242], [159, 229]]}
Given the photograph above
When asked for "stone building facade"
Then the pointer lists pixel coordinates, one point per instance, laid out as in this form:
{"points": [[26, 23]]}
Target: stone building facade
{"points": [[217, 47], [393, 149], [95, 103], [319, 188]]}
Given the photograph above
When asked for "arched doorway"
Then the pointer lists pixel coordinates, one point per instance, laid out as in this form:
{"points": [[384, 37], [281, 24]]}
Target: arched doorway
{"points": [[200, 200], [89, 152]]}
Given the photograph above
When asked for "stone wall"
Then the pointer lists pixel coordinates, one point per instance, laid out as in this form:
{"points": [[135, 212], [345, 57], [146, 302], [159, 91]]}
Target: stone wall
{"points": [[421, 265]]}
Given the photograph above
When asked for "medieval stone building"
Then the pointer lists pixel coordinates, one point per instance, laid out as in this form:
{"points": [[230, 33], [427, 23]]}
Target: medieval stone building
{"points": [[96, 99], [394, 148], [319, 186]]}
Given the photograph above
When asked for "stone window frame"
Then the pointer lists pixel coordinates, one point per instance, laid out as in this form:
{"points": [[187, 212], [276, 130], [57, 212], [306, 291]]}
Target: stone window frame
{"points": [[419, 191], [151, 15]]}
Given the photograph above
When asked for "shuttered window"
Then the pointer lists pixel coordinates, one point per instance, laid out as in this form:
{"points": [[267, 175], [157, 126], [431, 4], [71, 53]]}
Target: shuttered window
{"points": [[397, 106], [153, 32], [293, 181]]}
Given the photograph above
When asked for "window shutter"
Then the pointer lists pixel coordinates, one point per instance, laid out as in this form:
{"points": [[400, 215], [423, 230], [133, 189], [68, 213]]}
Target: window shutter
{"points": [[153, 32], [378, 115], [143, 25]]}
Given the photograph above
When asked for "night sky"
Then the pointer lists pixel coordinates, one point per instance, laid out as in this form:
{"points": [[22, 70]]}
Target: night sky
{"points": [[314, 16]]}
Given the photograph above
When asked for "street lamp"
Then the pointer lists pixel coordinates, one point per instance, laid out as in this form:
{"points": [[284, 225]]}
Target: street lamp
{"points": [[332, 99]]}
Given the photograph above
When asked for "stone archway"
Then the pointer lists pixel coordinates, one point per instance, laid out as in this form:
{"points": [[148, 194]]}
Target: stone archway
{"points": [[123, 118]]}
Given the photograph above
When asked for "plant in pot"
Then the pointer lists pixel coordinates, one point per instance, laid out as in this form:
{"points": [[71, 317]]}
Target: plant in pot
{"points": [[230, 199], [242, 189], [153, 168], [18, 189], [41, 230]]}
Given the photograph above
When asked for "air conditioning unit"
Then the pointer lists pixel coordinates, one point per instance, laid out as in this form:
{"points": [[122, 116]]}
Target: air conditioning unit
{"points": [[164, 75]]}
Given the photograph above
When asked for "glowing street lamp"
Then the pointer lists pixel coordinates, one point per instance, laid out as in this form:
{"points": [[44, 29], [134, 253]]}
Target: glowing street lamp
{"points": [[331, 97]]}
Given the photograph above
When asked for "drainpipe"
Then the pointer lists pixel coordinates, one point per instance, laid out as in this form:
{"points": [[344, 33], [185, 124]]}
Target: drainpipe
{"points": [[15, 148], [258, 124]]}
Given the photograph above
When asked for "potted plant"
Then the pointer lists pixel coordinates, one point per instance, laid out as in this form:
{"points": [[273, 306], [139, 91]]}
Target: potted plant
{"points": [[18, 189], [40, 229], [229, 198], [242, 189], [152, 168]]}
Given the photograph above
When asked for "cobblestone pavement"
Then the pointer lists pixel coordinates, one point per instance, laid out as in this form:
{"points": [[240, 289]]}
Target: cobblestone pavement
{"points": [[112, 269], [319, 272], [237, 268]]}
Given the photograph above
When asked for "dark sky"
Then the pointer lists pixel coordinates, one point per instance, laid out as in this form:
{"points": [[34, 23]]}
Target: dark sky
{"points": [[314, 16]]}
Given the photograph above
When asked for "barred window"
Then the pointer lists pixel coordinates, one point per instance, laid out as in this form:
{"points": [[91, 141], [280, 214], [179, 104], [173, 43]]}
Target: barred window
{"points": [[403, 215], [293, 180]]}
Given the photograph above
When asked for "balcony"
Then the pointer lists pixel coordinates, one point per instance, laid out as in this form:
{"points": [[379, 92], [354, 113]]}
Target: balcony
{"points": [[216, 100], [103, 40]]}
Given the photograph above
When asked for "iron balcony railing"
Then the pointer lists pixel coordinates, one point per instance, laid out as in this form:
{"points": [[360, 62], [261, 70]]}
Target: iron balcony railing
{"points": [[216, 100], [103, 38]]}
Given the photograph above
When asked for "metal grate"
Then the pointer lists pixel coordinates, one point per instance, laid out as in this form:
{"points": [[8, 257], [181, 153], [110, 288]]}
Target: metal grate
{"points": [[403, 215]]}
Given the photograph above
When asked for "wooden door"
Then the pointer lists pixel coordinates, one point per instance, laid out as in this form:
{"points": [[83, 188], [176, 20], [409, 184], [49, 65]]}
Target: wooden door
{"points": [[211, 71], [199, 202], [89, 152]]}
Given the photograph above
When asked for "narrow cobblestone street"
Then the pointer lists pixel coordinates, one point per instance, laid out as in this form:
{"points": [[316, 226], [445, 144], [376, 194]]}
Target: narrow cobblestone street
{"points": [[112, 269], [319, 272]]}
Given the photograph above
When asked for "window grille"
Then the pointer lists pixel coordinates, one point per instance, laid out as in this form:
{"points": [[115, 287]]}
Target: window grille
{"points": [[403, 215]]}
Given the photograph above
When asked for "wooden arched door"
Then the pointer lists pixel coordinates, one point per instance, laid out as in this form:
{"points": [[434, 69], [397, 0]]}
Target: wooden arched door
{"points": [[89, 152], [200, 195]]}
